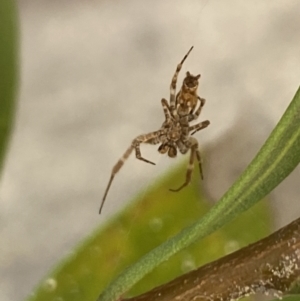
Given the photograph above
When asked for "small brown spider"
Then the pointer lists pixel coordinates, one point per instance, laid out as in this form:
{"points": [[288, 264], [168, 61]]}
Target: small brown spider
{"points": [[175, 131]]}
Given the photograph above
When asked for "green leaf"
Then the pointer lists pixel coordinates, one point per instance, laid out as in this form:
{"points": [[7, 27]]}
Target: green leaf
{"points": [[275, 161], [155, 216], [8, 71]]}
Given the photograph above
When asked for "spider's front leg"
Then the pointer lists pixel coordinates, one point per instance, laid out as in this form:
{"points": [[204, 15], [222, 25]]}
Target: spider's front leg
{"points": [[135, 145], [192, 143]]}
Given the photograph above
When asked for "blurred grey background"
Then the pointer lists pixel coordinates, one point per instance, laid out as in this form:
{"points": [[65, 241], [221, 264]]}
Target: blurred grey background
{"points": [[92, 76]]}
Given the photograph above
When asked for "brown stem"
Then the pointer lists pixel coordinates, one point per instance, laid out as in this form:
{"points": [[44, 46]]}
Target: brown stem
{"points": [[269, 266]]}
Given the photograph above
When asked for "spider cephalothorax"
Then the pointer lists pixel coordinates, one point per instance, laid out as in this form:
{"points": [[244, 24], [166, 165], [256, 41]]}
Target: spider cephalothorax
{"points": [[175, 131]]}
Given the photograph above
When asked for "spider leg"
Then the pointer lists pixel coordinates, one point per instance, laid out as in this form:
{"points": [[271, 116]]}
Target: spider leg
{"points": [[115, 169], [150, 138], [189, 171], [174, 81], [198, 156], [192, 143], [135, 145], [195, 115], [167, 110], [199, 126]]}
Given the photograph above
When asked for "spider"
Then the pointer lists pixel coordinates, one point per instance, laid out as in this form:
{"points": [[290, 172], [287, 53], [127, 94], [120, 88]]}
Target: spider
{"points": [[175, 131]]}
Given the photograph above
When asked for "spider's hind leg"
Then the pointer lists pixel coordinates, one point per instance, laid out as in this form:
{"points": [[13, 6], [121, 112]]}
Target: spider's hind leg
{"points": [[192, 143], [115, 169], [198, 156], [174, 80], [188, 172]]}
